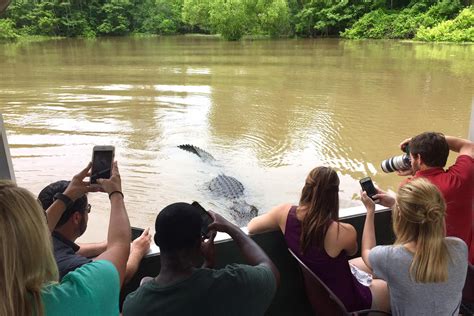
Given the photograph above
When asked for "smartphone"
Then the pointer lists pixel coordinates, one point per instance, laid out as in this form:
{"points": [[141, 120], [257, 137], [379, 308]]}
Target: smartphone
{"points": [[102, 159], [206, 219], [136, 232], [368, 186]]}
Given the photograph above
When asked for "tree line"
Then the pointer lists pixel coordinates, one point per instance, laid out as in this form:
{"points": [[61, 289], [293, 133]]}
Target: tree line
{"points": [[429, 20]]}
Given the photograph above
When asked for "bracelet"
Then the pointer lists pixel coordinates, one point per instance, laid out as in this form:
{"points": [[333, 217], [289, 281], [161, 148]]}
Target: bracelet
{"points": [[113, 192], [63, 198]]}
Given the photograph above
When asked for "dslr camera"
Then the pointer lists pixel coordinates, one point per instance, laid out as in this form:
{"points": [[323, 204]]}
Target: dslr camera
{"points": [[397, 163]]}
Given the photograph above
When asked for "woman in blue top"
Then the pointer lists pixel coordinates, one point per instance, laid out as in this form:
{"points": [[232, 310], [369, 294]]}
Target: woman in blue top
{"points": [[28, 272]]}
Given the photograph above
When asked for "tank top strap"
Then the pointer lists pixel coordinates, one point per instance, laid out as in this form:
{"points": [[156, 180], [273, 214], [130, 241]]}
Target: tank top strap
{"points": [[292, 226], [293, 210]]}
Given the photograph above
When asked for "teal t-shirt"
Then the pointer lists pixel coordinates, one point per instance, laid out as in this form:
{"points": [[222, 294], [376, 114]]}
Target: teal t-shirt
{"points": [[235, 290], [92, 289]]}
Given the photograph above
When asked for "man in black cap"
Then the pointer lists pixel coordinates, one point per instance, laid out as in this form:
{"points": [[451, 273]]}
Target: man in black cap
{"points": [[183, 289], [72, 224]]}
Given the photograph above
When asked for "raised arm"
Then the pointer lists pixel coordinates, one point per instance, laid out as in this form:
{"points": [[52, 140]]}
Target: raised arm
{"points": [[91, 250], [368, 235], [253, 254], [138, 250], [461, 146], [76, 188], [269, 221], [119, 234]]}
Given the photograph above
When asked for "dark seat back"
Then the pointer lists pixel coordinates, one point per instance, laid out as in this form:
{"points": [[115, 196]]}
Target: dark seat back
{"points": [[322, 299], [467, 304], [468, 291]]}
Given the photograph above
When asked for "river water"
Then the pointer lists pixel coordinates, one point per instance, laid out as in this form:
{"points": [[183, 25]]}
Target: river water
{"points": [[268, 111]]}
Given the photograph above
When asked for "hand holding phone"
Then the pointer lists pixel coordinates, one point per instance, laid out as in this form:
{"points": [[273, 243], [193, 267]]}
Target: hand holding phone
{"points": [[136, 232], [102, 159], [368, 186], [206, 219]]}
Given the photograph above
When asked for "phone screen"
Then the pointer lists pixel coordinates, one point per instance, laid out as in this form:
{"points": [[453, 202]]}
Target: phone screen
{"points": [[368, 186], [101, 164], [206, 219], [136, 232]]}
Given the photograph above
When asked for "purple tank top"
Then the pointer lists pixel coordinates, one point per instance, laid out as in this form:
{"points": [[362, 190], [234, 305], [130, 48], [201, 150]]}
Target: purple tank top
{"points": [[334, 272]]}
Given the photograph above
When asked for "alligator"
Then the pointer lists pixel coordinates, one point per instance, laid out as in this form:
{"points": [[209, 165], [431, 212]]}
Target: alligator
{"points": [[227, 187]]}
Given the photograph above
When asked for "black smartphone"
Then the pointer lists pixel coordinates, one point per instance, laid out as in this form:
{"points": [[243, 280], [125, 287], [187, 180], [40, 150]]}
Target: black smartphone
{"points": [[136, 232], [206, 219], [102, 159], [368, 186]]}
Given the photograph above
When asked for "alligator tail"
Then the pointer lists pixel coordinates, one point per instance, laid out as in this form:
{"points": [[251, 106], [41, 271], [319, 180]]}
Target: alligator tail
{"points": [[201, 153]]}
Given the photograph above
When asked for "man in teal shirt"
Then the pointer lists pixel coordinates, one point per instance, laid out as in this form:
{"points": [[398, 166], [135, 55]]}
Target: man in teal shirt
{"points": [[183, 289]]}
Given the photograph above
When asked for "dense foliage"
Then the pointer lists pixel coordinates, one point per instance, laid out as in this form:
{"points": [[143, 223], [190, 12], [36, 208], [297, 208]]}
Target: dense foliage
{"points": [[461, 29], [404, 23], [428, 20]]}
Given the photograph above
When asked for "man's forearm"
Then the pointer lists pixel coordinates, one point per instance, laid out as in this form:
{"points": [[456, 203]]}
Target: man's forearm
{"points": [[54, 213], [90, 250], [460, 145], [132, 265], [119, 230], [253, 254]]}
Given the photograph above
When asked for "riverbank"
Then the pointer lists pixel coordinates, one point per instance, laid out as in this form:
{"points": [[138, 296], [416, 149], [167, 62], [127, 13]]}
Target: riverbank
{"points": [[426, 20]]}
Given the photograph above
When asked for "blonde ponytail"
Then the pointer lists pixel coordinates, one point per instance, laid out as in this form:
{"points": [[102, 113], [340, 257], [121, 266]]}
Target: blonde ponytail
{"points": [[419, 217], [26, 258]]}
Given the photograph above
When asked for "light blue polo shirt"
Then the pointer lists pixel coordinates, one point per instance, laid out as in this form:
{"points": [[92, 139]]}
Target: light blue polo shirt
{"points": [[92, 289]]}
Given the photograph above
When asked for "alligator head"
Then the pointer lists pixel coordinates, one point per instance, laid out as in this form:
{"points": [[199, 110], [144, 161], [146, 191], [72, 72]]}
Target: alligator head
{"points": [[242, 212], [232, 189]]}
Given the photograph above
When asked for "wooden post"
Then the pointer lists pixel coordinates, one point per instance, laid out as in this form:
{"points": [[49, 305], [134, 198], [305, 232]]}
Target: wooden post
{"points": [[6, 166]]}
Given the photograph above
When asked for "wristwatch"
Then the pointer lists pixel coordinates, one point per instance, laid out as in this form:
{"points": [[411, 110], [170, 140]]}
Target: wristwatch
{"points": [[64, 198]]}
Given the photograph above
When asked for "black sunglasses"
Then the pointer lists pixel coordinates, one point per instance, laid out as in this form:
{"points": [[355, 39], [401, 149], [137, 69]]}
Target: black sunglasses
{"points": [[88, 208]]}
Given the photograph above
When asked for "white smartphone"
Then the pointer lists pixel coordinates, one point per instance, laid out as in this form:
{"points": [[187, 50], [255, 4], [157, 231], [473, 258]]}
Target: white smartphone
{"points": [[102, 160]]}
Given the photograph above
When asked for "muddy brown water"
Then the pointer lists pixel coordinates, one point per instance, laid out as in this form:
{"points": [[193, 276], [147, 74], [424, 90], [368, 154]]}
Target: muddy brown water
{"points": [[268, 111]]}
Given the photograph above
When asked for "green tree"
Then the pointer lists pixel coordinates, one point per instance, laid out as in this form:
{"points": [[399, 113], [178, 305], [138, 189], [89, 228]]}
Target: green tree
{"points": [[7, 30], [460, 29], [274, 18], [115, 19], [197, 14], [229, 18]]}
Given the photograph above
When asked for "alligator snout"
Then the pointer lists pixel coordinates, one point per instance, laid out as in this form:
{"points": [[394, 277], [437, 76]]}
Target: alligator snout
{"points": [[243, 212]]}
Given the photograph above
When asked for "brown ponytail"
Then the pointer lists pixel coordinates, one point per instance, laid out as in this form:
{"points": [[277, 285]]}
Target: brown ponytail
{"points": [[320, 199]]}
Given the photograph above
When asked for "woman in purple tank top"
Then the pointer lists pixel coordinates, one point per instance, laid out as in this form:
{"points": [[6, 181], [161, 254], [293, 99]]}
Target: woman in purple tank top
{"points": [[312, 231]]}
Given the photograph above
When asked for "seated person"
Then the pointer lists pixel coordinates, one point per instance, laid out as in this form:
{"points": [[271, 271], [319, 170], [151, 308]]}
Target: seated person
{"points": [[313, 232], [28, 272], [428, 154], [425, 270], [183, 289], [72, 224]]}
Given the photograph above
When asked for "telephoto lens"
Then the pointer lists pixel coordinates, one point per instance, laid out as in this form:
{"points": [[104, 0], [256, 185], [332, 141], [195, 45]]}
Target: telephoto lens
{"points": [[396, 163]]}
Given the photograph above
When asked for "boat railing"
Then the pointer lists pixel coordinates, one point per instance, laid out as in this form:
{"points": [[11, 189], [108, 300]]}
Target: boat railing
{"points": [[6, 165]]}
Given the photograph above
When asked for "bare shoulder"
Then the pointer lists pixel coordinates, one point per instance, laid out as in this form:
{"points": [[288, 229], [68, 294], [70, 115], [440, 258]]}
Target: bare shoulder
{"points": [[347, 228], [281, 212], [342, 231], [283, 208]]}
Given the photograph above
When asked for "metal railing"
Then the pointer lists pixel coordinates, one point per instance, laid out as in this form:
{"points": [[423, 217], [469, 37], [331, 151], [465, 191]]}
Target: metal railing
{"points": [[6, 165]]}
